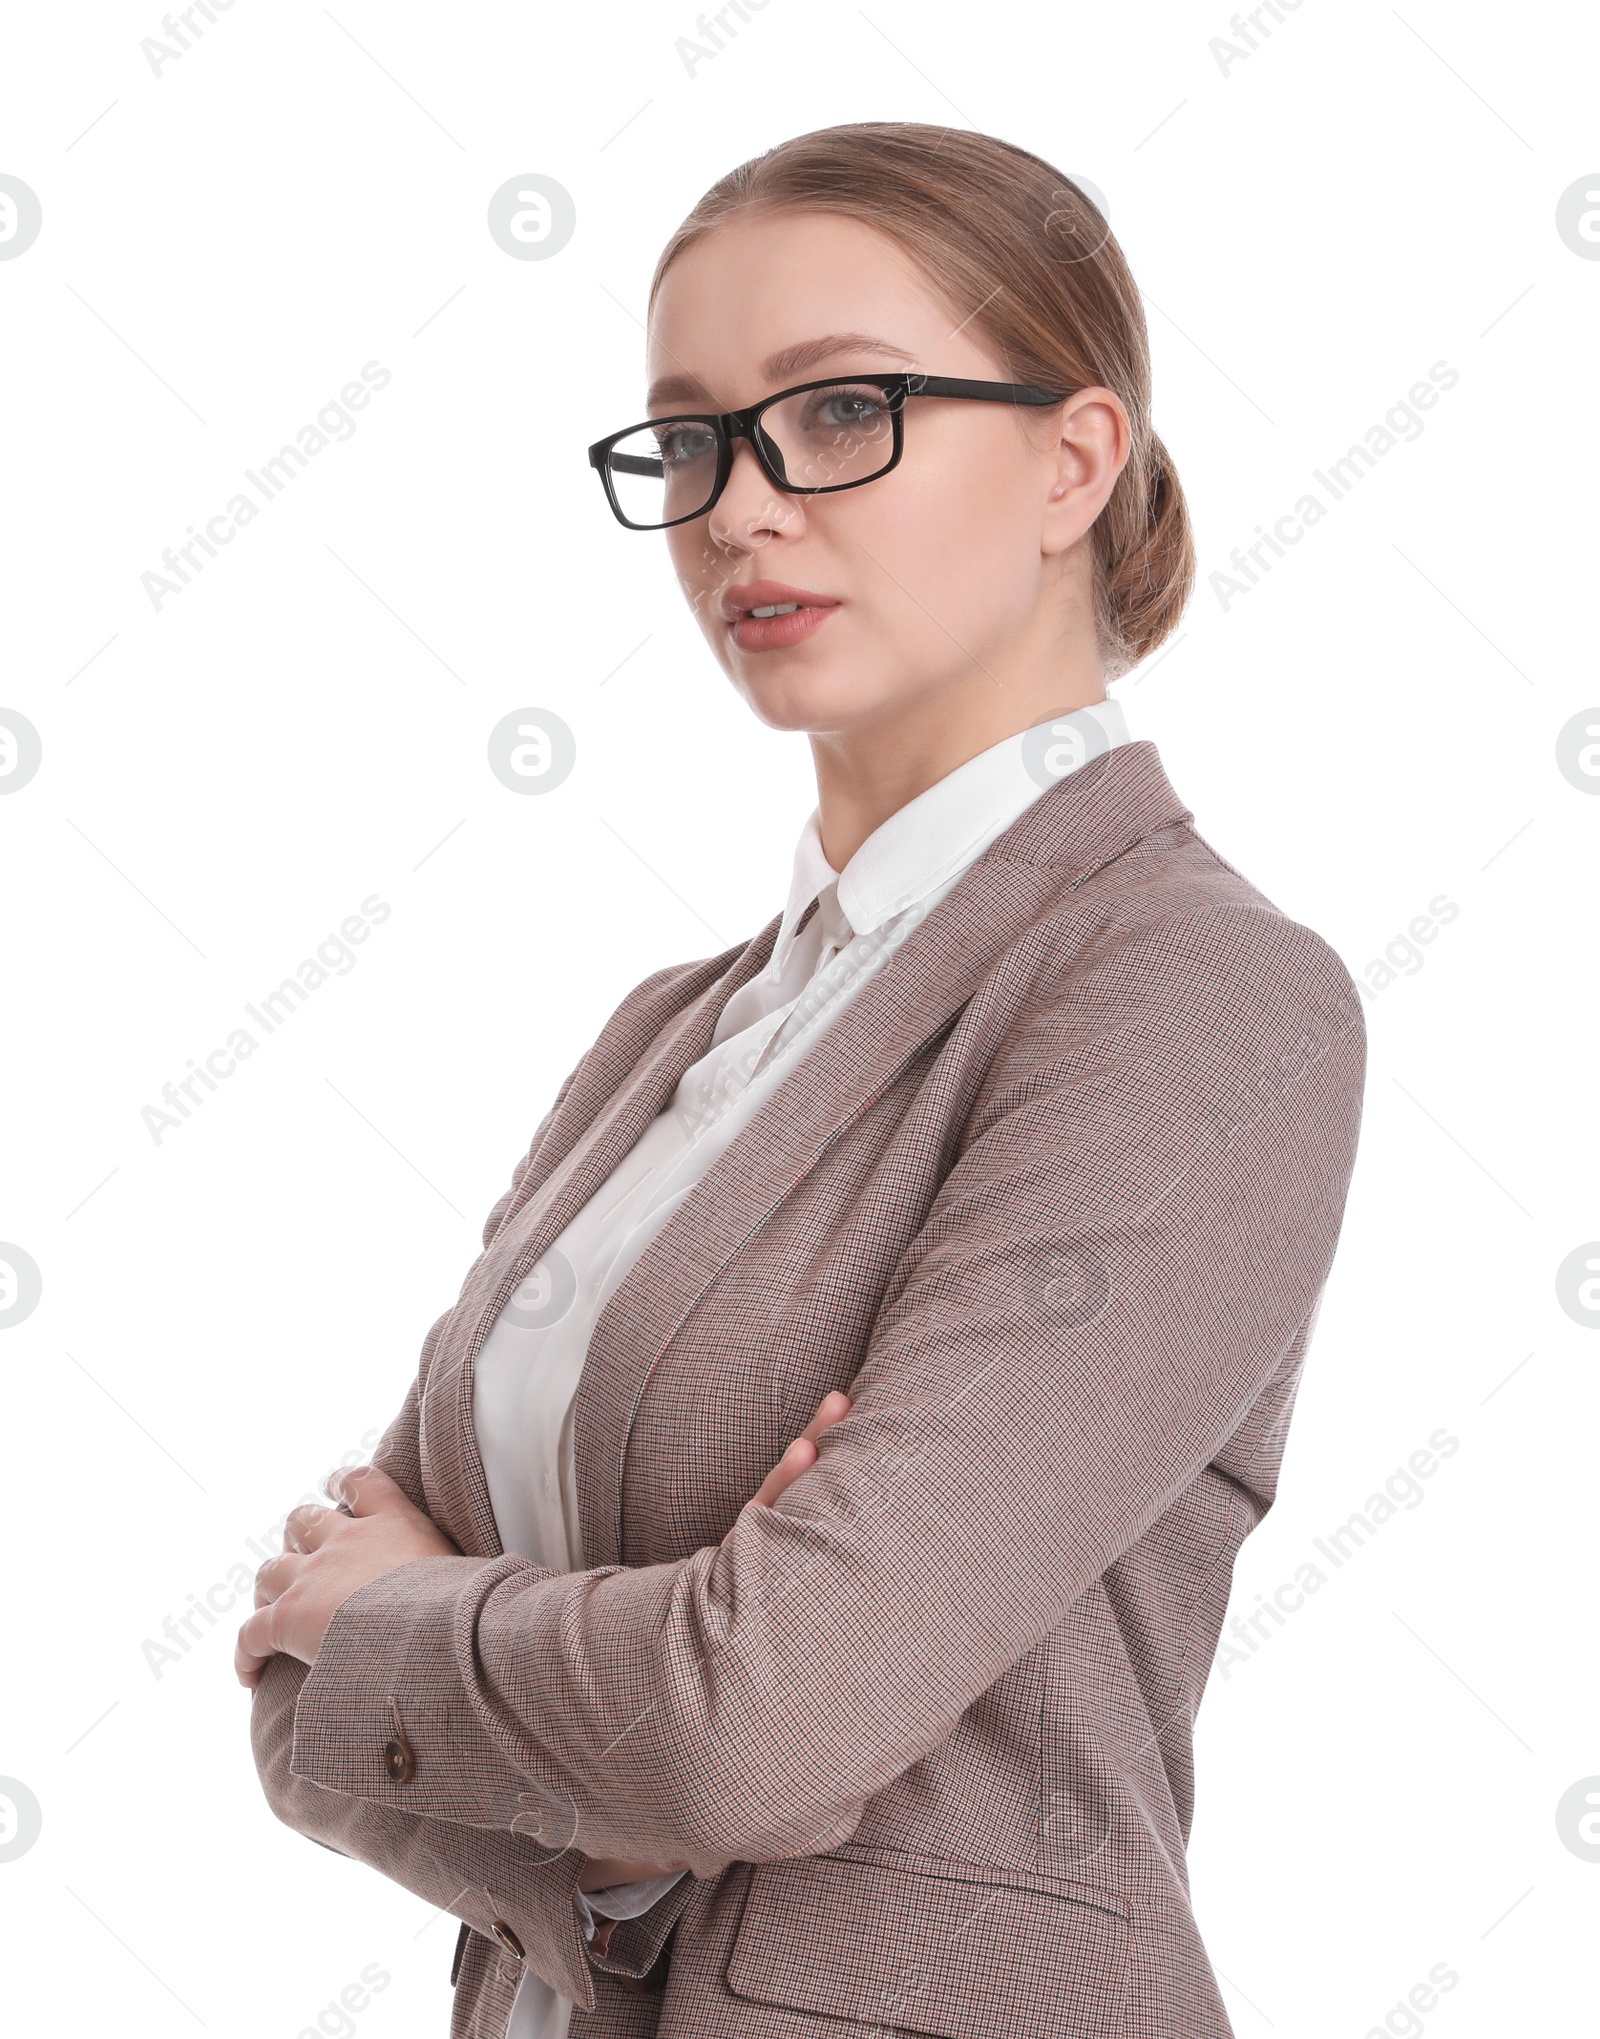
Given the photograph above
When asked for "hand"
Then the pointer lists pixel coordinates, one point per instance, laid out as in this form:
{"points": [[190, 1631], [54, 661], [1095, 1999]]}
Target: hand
{"points": [[800, 1457], [326, 1555], [802, 1454]]}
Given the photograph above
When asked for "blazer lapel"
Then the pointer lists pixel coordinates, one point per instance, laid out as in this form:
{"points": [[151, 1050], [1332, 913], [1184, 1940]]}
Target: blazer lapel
{"points": [[1070, 830], [454, 1481], [1073, 828]]}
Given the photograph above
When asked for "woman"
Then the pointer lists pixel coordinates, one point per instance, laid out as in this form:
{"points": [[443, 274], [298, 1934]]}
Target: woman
{"points": [[1016, 1148]]}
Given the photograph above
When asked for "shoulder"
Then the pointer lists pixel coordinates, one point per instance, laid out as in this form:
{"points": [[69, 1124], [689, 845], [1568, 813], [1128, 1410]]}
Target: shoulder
{"points": [[1173, 908], [1169, 953]]}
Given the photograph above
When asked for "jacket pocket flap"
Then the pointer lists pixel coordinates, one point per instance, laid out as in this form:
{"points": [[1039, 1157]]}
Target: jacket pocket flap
{"points": [[964, 1956]]}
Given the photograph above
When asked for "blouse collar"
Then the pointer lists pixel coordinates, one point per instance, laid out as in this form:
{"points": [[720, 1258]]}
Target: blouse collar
{"points": [[932, 839]]}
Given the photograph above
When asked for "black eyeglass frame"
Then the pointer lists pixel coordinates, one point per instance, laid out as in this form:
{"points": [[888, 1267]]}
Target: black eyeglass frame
{"points": [[727, 426]]}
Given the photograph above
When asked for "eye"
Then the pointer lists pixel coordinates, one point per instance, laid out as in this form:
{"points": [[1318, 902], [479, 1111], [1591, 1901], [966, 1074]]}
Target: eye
{"points": [[848, 405], [684, 441]]}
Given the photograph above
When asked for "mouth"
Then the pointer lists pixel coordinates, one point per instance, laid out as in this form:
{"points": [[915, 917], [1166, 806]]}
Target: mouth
{"points": [[772, 616], [771, 598]]}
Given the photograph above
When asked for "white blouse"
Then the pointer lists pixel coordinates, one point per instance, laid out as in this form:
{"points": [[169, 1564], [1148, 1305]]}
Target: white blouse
{"points": [[527, 1369]]}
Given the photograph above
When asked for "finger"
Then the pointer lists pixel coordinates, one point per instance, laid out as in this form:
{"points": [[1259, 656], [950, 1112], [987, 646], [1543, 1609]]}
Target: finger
{"points": [[275, 1577], [305, 1527], [370, 1491], [829, 1410], [800, 1457], [254, 1648]]}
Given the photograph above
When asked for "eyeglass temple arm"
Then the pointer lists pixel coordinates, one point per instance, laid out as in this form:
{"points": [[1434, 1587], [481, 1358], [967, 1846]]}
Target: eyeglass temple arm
{"points": [[984, 392]]}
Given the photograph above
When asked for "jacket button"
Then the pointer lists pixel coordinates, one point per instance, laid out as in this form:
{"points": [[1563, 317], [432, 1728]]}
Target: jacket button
{"points": [[507, 1938], [400, 1760]]}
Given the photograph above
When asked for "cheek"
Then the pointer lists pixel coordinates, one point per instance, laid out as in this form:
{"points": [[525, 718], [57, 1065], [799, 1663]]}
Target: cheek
{"points": [[686, 554], [951, 539], [701, 574]]}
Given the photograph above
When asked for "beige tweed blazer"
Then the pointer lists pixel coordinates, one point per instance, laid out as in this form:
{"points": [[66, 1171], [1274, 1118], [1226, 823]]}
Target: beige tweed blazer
{"points": [[1055, 1198]]}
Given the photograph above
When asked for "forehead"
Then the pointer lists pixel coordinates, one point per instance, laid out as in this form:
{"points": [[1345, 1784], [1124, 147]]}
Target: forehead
{"points": [[738, 311]]}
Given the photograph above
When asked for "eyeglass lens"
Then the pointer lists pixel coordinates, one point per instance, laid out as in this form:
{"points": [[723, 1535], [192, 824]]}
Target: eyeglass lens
{"points": [[817, 438]]}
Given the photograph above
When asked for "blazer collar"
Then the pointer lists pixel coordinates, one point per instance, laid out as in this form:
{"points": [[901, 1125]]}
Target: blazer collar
{"points": [[1074, 828]]}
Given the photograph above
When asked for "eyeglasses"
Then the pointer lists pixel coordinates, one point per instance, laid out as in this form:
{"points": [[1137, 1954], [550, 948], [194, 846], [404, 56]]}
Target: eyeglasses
{"points": [[811, 440]]}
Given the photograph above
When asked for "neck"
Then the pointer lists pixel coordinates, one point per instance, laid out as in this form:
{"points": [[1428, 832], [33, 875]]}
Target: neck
{"points": [[871, 770]]}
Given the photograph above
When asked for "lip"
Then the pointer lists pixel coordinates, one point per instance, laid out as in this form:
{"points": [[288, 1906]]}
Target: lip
{"points": [[738, 602], [774, 633]]}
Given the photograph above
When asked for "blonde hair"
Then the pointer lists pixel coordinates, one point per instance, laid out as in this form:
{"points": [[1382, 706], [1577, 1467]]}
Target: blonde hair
{"points": [[1021, 255]]}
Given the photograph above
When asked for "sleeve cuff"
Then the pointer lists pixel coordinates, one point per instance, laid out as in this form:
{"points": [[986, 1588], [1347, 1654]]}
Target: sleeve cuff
{"points": [[636, 1943], [384, 1714], [622, 1900], [486, 1880]]}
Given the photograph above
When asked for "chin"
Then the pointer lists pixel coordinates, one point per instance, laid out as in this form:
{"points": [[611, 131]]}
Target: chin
{"points": [[792, 697]]}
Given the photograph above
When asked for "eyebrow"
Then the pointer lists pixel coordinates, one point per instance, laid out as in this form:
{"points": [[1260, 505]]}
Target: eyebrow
{"points": [[787, 361]]}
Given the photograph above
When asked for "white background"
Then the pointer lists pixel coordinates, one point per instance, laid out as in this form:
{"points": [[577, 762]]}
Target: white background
{"points": [[228, 1311]]}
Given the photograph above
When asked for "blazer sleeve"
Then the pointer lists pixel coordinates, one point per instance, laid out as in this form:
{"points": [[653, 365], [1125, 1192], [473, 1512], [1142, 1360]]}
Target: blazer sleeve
{"points": [[1139, 1221], [480, 1877]]}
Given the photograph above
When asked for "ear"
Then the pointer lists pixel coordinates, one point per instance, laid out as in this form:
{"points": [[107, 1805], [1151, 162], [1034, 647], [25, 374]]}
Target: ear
{"points": [[1093, 441]]}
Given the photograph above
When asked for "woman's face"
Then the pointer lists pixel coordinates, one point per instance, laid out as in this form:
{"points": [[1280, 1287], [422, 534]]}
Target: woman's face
{"points": [[953, 571]]}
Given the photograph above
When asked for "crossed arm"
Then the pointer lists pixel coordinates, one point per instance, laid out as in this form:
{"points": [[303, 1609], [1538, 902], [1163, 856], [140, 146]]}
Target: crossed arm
{"points": [[479, 1877], [1139, 1224], [376, 1527]]}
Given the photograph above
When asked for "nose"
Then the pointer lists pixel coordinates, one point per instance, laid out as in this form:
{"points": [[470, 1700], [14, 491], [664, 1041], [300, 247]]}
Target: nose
{"points": [[750, 510]]}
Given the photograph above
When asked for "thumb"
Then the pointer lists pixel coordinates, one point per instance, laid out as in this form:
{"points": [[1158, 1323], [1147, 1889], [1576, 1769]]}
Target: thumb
{"points": [[369, 1490]]}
